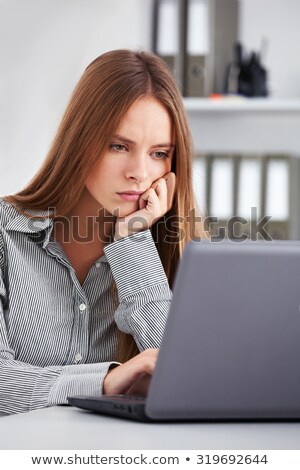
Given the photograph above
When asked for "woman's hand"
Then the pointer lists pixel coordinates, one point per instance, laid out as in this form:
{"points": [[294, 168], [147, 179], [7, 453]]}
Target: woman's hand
{"points": [[132, 377], [153, 204]]}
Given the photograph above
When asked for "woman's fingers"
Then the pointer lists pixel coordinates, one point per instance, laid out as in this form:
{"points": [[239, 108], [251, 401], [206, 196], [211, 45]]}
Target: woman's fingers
{"points": [[161, 190], [165, 190], [132, 375], [140, 387]]}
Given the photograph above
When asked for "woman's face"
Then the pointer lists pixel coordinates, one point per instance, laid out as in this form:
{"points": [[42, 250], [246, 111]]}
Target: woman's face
{"points": [[140, 153]]}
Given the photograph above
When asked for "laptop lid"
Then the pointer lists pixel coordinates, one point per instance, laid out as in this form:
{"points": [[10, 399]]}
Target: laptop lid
{"points": [[231, 347]]}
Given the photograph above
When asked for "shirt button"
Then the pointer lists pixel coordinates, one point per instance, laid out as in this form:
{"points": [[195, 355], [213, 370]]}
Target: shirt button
{"points": [[98, 265], [78, 357], [82, 307]]}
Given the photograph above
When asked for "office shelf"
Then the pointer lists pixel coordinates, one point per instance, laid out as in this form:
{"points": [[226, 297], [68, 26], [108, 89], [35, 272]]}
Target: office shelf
{"points": [[251, 127], [240, 104], [245, 125]]}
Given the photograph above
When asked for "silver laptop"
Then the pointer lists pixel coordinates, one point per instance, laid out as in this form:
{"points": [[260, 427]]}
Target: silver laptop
{"points": [[231, 348]]}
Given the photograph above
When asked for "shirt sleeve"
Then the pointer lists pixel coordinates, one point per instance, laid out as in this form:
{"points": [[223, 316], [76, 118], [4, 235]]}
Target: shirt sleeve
{"points": [[143, 288], [25, 387]]}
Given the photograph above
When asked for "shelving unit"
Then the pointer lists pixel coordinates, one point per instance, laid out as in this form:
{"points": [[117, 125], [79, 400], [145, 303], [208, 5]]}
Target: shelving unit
{"points": [[245, 125], [241, 104], [251, 127]]}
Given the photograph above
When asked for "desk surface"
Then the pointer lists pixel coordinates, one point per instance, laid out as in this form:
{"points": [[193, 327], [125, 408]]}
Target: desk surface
{"points": [[65, 428]]}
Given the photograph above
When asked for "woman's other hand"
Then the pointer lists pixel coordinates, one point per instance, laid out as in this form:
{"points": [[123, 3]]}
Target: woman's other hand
{"points": [[133, 377]]}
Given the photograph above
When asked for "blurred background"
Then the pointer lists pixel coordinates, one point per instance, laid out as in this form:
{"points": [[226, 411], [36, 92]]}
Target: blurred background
{"points": [[236, 65]]}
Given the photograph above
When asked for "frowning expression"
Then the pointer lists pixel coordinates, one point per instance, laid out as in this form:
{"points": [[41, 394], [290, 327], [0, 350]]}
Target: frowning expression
{"points": [[139, 153]]}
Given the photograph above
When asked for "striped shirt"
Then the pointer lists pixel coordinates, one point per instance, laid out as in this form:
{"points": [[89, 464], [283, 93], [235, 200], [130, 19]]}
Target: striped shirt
{"points": [[58, 337]]}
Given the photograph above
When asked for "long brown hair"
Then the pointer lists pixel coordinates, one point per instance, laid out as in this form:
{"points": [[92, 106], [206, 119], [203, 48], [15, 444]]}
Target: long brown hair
{"points": [[106, 90]]}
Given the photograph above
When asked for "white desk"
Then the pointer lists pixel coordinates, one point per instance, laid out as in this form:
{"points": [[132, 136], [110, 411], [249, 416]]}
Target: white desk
{"points": [[65, 428]]}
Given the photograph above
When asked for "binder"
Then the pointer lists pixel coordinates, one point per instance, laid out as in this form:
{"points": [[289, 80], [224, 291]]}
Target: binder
{"points": [[277, 199], [224, 20], [196, 39], [249, 194], [212, 31], [199, 184], [197, 45], [221, 188], [167, 31]]}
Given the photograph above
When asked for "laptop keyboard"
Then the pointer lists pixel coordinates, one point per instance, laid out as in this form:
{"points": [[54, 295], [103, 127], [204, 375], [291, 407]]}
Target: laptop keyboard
{"points": [[131, 398]]}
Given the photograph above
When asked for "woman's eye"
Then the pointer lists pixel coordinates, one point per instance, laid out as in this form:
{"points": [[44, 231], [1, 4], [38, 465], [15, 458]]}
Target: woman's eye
{"points": [[161, 155], [118, 147]]}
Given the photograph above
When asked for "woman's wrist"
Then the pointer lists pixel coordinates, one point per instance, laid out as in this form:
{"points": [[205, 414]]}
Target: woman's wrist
{"points": [[105, 381], [122, 232]]}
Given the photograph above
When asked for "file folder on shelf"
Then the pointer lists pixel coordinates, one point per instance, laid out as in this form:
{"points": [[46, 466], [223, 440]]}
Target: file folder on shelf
{"points": [[167, 31], [221, 188], [277, 197], [199, 184], [249, 195], [277, 204], [224, 17], [197, 49], [196, 39], [212, 31]]}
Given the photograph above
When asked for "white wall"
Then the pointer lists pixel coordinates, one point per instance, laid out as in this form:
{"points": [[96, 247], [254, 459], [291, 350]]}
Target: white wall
{"points": [[279, 22], [45, 46]]}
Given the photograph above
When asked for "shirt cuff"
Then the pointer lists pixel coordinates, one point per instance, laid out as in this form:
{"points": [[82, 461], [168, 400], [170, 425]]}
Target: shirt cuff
{"points": [[135, 263], [83, 379]]}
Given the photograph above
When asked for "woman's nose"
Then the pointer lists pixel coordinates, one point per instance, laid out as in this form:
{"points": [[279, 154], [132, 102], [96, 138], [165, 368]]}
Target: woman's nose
{"points": [[137, 168]]}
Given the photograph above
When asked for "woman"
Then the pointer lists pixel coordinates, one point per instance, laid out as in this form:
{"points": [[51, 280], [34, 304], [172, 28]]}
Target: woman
{"points": [[89, 249]]}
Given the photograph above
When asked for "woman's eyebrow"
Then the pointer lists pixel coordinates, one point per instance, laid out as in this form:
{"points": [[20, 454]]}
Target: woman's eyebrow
{"points": [[125, 139], [167, 144]]}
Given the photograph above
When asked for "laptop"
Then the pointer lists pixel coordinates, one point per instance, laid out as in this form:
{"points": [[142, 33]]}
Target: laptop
{"points": [[231, 347]]}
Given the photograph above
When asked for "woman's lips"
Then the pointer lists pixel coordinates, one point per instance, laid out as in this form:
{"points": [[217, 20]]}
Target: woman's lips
{"points": [[129, 197]]}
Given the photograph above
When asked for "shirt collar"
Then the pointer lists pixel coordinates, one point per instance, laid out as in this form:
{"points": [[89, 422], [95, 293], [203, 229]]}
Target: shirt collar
{"points": [[22, 223], [38, 224]]}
